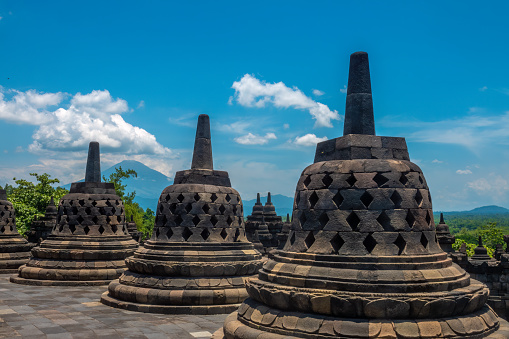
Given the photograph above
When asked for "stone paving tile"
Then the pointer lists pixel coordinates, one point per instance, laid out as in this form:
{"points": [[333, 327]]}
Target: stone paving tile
{"points": [[76, 313]]}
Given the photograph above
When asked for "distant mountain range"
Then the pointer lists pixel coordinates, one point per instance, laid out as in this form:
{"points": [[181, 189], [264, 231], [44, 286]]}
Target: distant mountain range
{"points": [[491, 209]]}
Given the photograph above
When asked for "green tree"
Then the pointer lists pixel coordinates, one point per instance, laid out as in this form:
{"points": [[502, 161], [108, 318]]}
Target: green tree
{"points": [[149, 220], [131, 208], [30, 199]]}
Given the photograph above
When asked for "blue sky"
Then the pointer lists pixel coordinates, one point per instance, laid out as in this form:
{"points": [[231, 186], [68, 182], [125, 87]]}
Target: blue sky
{"points": [[271, 75]]}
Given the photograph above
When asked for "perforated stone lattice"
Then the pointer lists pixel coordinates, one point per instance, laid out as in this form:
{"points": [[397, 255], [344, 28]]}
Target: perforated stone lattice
{"points": [[199, 216], [93, 216], [328, 203]]}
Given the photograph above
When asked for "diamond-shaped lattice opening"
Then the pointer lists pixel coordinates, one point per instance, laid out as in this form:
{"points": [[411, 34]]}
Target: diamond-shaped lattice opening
{"points": [[164, 219], [161, 208], [88, 210], [197, 197], [186, 234], [418, 198], [229, 221], [302, 218], [327, 180], [222, 209], [80, 219], [424, 241], [223, 233], [114, 228], [213, 220], [119, 218], [428, 218], [292, 239], [108, 219], [310, 239], [95, 220], [72, 228], [180, 198], [307, 181], [205, 234], [196, 220], [351, 180], [353, 220], [403, 179], [338, 199], [189, 207], [157, 232], [369, 243], [113, 210], [169, 233], [173, 208], [61, 228], [86, 229], [384, 220], [178, 220], [420, 179], [70, 202], [81, 202], [94, 203], [323, 219], [313, 199], [410, 219], [401, 243], [74, 210], [101, 229], [213, 197], [237, 235], [366, 199], [167, 198], [228, 198], [2, 230], [396, 199], [108, 203], [206, 208], [117, 202], [337, 242], [297, 198], [380, 179], [2, 214], [234, 209], [11, 228]]}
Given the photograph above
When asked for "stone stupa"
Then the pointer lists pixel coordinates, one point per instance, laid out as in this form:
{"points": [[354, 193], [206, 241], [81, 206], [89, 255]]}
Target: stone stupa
{"points": [[14, 249], [362, 259], [41, 228], [90, 241], [444, 236], [198, 258]]}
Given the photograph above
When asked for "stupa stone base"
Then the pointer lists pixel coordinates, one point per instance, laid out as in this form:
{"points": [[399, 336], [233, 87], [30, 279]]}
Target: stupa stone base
{"points": [[256, 321], [17, 252]]}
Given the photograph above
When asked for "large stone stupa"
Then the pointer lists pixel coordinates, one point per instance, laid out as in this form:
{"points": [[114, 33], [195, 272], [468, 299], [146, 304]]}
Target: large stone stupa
{"points": [[14, 249], [90, 241], [362, 258], [198, 258]]}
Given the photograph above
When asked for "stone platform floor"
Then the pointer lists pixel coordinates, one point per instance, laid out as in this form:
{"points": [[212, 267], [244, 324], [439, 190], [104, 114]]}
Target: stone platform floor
{"points": [[75, 312]]}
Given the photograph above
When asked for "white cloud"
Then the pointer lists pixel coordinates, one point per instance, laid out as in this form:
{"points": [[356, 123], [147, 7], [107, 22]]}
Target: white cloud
{"points": [[141, 104], [344, 89], [436, 161], [19, 149], [237, 127], [286, 126], [251, 92], [93, 116], [255, 139], [493, 185], [308, 140], [318, 93], [467, 171], [484, 88]]}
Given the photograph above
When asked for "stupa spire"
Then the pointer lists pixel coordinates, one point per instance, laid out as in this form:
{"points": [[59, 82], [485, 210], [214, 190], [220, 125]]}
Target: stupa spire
{"points": [[93, 172], [359, 118], [258, 202], [202, 155], [269, 200], [442, 218]]}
